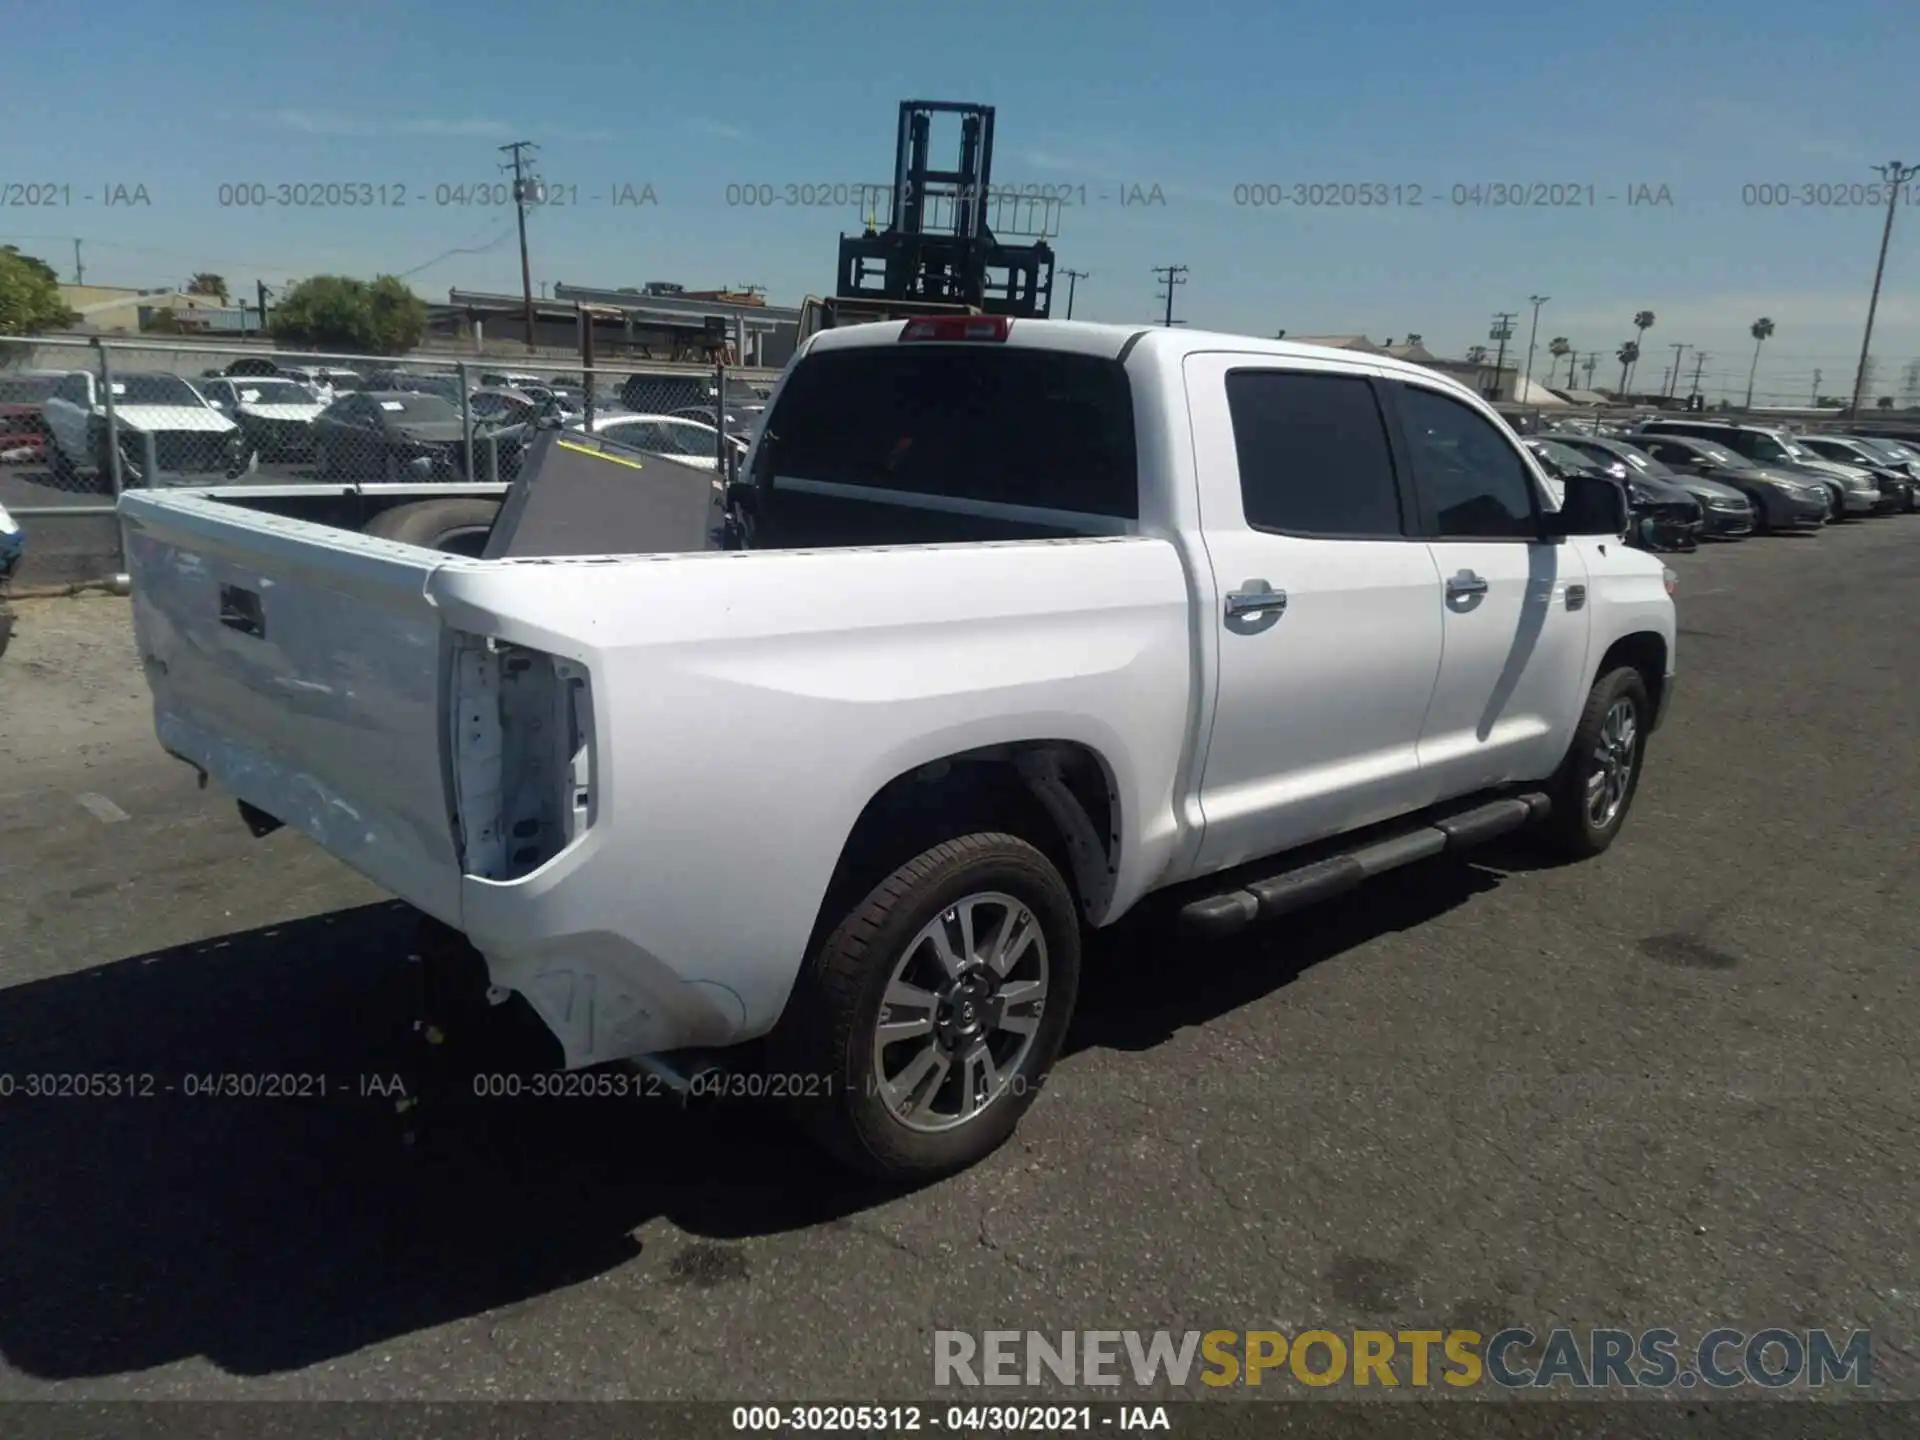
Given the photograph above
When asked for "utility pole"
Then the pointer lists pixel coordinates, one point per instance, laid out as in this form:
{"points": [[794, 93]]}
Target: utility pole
{"points": [[1700, 358], [1502, 331], [1896, 177], [260, 293], [79, 270], [1073, 277], [1816, 388], [1173, 275], [520, 195], [1673, 380], [1532, 335]]}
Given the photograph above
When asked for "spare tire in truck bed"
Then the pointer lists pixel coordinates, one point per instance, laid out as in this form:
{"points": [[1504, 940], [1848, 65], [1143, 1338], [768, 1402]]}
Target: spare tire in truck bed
{"points": [[456, 524]]}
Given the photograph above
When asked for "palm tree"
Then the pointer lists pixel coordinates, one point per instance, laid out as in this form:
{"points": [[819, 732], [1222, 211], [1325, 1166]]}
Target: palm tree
{"points": [[1626, 355], [1760, 330], [1556, 347], [1642, 322], [1588, 365]]}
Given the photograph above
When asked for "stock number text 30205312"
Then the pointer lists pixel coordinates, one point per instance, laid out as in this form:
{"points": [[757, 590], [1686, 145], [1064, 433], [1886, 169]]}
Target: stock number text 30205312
{"points": [[1823, 195]]}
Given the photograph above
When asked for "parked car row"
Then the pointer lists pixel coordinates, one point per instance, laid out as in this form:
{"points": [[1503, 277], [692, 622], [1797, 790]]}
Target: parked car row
{"points": [[389, 425], [1688, 480]]}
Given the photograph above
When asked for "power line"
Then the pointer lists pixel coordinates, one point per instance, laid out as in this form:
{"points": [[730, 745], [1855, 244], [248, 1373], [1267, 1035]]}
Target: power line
{"points": [[1172, 275], [491, 245]]}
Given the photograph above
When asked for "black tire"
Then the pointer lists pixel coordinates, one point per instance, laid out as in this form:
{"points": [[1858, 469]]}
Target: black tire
{"points": [[828, 1031], [1571, 830], [1837, 512], [1761, 524], [458, 525]]}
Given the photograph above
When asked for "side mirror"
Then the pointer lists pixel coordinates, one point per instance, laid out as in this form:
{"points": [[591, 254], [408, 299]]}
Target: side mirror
{"points": [[1589, 505]]}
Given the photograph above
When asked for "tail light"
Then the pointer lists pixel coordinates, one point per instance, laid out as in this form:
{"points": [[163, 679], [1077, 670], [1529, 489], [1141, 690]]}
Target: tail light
{"points": [[524, 757], [959, 327]]}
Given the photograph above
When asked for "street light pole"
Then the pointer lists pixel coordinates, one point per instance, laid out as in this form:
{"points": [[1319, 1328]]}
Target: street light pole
{"points": [[1896, 176], [1532, 335]]}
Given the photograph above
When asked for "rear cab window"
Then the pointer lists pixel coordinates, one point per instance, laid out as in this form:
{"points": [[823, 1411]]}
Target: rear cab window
{"points": [[974, 425]]}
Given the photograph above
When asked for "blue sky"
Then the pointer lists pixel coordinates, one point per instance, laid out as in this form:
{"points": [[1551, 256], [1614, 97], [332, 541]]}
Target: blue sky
{"points": [[1196, 99]]}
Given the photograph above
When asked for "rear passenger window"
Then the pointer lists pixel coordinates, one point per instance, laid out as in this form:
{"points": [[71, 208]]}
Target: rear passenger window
{"points": [[1473, 478], [1313, 454]]}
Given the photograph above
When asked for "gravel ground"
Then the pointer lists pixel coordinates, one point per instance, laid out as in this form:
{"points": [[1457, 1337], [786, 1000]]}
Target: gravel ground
{"points": [[1675, 1086]]}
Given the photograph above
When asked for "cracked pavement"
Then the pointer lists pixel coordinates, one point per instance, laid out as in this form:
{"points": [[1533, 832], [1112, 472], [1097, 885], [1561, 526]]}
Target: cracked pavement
{"points": [[1675, 1086]]}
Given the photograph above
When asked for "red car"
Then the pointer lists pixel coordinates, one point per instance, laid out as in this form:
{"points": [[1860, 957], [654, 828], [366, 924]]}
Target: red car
{"points": [[23, 427]]}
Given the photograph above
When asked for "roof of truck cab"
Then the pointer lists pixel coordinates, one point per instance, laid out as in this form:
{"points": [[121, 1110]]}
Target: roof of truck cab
{"points": [[1089, 337]]}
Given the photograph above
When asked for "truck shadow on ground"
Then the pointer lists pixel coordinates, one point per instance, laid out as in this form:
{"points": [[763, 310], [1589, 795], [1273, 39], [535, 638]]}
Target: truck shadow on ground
{"points": [[1145, 981], [270, 1233]]}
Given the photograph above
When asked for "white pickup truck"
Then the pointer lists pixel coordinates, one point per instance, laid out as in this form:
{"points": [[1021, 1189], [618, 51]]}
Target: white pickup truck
{"points": [[1032, 621]]}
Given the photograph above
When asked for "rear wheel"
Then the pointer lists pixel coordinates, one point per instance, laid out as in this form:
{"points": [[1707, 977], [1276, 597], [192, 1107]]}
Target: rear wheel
{"points": [[1597, 781], [459, 526], [930, 1016]]}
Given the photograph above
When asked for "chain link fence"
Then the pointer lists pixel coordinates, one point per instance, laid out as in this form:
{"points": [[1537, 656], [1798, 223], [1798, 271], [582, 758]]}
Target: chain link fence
{"points": [[81, 420]]}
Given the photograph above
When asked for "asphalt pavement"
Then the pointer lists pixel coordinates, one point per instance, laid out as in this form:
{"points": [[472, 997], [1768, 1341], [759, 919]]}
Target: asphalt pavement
{"points": [[1674, 1086]]}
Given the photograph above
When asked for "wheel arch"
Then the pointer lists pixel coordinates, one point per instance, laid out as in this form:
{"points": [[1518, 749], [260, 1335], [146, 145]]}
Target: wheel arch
{"points": [[1646, 651], [1059, 795]]}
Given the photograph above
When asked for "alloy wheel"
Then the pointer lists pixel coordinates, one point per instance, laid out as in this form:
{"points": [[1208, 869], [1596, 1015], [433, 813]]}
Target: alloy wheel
{"points": [[960, 1013], [1614, 755]]}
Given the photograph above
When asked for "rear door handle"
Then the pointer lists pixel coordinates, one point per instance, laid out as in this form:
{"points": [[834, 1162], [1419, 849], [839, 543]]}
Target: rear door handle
{"points": [[1465, 583], [1255, 597]]}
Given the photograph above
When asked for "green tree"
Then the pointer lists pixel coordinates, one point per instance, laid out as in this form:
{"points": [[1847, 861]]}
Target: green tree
{"points": [[1760, 330], [1626, 355], [1642, 322], [207, 283], [336, 312], [30, 299]]}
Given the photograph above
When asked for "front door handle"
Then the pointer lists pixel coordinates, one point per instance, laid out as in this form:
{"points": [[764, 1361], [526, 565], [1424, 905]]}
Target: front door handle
{"points": [[1255, 597], [1465, 583]]}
